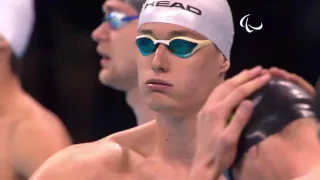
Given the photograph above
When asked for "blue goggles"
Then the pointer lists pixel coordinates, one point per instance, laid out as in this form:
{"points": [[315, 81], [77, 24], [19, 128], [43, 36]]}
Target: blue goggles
{"points": [[118, 20], [182, 47]]}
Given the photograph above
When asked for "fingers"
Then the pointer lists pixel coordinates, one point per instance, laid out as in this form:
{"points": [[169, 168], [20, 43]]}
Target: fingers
{"points": [[218, 111], [239, 120], [224, 89], [229, 94], [227, 140], [241, 117], [293, 78], [279, 72], [243, 91], [212, 117], [264, 71], [303, 83], [213, 133]]}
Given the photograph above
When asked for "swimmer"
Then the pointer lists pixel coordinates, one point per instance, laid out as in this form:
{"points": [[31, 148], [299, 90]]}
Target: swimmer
{"points": [[185, 54], [29, 133], [116, 44]]}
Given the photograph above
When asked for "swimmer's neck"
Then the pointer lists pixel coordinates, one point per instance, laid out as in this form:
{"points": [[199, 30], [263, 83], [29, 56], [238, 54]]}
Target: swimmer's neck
{"points": [[298, 168], [305, 164], [10, 85], [176, 139], [140, 108], [293, 158]]}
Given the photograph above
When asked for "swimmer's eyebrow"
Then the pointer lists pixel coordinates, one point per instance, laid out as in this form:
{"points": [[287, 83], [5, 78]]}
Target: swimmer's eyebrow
{"points": [[145, 32], [171, 34], [182, 33], [106, 8]]}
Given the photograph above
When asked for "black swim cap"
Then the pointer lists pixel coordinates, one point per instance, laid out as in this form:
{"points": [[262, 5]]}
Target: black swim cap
{"points": [[136, 4]]}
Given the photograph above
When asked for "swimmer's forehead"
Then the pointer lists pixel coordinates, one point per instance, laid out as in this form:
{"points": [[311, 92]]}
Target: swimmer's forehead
{"points": [[117, 5], [168, 31]]}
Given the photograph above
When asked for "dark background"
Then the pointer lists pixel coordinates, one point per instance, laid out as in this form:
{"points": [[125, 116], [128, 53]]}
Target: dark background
{"points": [[61, 67]]}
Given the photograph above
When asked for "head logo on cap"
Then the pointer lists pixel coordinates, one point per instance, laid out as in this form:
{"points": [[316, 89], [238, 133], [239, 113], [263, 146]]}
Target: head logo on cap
{"points": [[183, 6]]}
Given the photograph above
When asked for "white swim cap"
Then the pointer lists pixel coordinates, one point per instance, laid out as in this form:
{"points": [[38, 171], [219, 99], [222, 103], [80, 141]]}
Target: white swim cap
{"points": [[16, 23], [211, 18]]}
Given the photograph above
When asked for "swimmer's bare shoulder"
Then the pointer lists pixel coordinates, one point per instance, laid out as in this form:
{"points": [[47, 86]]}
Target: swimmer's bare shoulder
{"points": [[34, 135], [108, 158], [312, 175]]}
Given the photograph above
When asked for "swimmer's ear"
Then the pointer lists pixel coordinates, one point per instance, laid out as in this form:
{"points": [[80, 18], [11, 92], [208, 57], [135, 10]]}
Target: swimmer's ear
{"points": [[253, 152], [4, 45], [225, 65]]}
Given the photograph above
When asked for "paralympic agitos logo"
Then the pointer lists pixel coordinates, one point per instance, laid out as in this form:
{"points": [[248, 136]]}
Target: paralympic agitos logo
{"points": [[174, 5]]}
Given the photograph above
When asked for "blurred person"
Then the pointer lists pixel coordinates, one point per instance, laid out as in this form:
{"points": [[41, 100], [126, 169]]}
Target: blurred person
{"points": [[29, 133], [116, 44], [181, 74], [296, 155], [293, 153]]}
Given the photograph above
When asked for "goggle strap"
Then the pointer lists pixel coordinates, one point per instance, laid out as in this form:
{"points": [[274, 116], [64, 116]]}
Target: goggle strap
{"points": [[129, 18]]}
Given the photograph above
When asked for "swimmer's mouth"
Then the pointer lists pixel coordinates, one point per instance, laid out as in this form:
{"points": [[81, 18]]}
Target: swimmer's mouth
{"points": [[104, 56], [158, 81]]}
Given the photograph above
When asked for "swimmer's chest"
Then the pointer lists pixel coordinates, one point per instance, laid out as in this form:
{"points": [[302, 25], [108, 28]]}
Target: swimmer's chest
{"points": [[6, 169], [152, 170]]}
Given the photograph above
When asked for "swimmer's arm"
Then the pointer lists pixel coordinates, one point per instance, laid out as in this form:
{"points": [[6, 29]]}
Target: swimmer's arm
{"points": [[30, 145]]}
